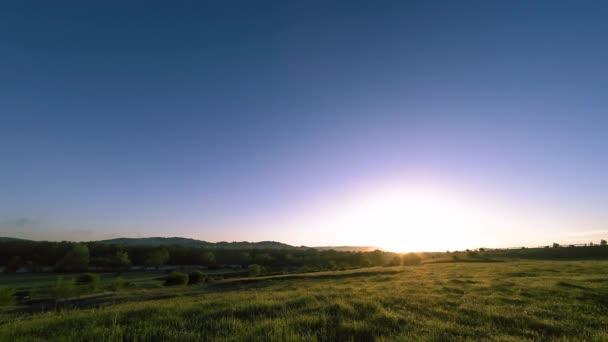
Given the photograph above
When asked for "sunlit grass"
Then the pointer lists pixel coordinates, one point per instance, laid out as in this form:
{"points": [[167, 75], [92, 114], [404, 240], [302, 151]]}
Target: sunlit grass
{"points": [[534, 300]]}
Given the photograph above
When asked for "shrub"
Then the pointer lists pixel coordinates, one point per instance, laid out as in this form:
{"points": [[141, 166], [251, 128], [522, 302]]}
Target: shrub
{"points": [[87, 281], [473, 255], [7, 296], [412, 259], [395, 261], [255, 269], [196, 277], [61, 289], [176, 278], [119, 284]]}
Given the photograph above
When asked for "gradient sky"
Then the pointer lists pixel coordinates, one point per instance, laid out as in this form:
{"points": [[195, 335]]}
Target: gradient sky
{"points": [[273, 120]]}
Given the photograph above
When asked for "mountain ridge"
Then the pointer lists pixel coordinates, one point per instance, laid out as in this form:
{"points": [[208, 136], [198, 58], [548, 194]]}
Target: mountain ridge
{"points": [[189, 242]]}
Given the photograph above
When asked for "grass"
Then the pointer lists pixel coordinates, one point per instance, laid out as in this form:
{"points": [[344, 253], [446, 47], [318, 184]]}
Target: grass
{"points": [[507, 301]]}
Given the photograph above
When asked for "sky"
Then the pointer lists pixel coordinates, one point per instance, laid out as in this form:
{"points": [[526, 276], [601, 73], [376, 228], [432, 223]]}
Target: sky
{"points": [[408, 125]]}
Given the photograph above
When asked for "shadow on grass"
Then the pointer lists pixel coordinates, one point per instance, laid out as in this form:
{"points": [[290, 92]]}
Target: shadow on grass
{"points": [[464, 261], [572, 286], [267, 281]]}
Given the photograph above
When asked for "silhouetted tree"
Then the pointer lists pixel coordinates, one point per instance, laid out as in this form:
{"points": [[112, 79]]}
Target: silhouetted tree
{"points": [[411, 259], [76, 260], [157, 257], [603, 243], [208, 258], [395, 261], [555, 245], [13, 264]]}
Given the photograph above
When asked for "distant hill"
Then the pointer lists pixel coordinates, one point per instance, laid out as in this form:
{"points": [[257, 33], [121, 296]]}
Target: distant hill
{"points": [[348, 248], [6, 238], [167, 241], [162, 241]]}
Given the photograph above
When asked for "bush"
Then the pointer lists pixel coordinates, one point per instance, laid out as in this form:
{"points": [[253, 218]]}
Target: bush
{"points": [[255, 269], [61, 289], [119, 284], [176, 278], [412, 259], [395, 261], [7, 296], [87, 281], [473, 255], [196, 277]]}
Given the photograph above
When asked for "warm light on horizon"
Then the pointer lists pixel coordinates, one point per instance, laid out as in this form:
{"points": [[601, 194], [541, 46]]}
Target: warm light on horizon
{"points": [[417, 218], [403, 220]]}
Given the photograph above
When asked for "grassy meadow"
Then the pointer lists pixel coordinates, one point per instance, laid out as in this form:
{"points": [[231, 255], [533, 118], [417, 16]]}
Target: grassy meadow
{"points": [[451, 301]]}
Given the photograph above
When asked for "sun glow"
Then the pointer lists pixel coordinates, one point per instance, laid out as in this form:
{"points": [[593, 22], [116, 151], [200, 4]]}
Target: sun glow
{"points": [[411, 220], [407, 218]]}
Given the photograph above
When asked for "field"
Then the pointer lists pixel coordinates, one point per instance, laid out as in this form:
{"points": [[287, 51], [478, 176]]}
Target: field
{"points": [[452, 301]]}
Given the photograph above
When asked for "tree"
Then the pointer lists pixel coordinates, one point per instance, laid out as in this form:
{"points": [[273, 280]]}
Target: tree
{"points": [[262, 258], [362, 260], [245, 258], [208, 259], [120, 261], [76, 260], [376, 257], [157, 257], [603, 243], [411, 259], [555, 245], [395, 261], [13, 264]]}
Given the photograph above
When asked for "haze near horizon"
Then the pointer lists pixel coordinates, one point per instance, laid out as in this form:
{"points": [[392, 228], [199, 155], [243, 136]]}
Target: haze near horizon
{"points": [[408, 125]]}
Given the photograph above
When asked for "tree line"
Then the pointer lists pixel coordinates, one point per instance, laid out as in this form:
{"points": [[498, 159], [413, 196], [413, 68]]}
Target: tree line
{"points": [[76, 257]]}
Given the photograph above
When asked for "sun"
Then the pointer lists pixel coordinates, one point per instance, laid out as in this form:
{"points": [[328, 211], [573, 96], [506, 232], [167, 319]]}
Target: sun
{"points": [[403, 219]]}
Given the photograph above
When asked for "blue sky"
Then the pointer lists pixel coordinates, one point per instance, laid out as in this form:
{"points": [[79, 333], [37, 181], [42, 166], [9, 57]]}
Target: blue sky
{"points": [[231, 120]]}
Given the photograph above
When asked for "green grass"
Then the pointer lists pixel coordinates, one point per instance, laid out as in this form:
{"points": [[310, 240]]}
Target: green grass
{"points": [[506, 301]]}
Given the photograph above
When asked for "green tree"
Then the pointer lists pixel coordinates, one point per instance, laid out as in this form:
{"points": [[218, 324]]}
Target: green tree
{"points": [[76, 260], [157, 257], [120, 261]]}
